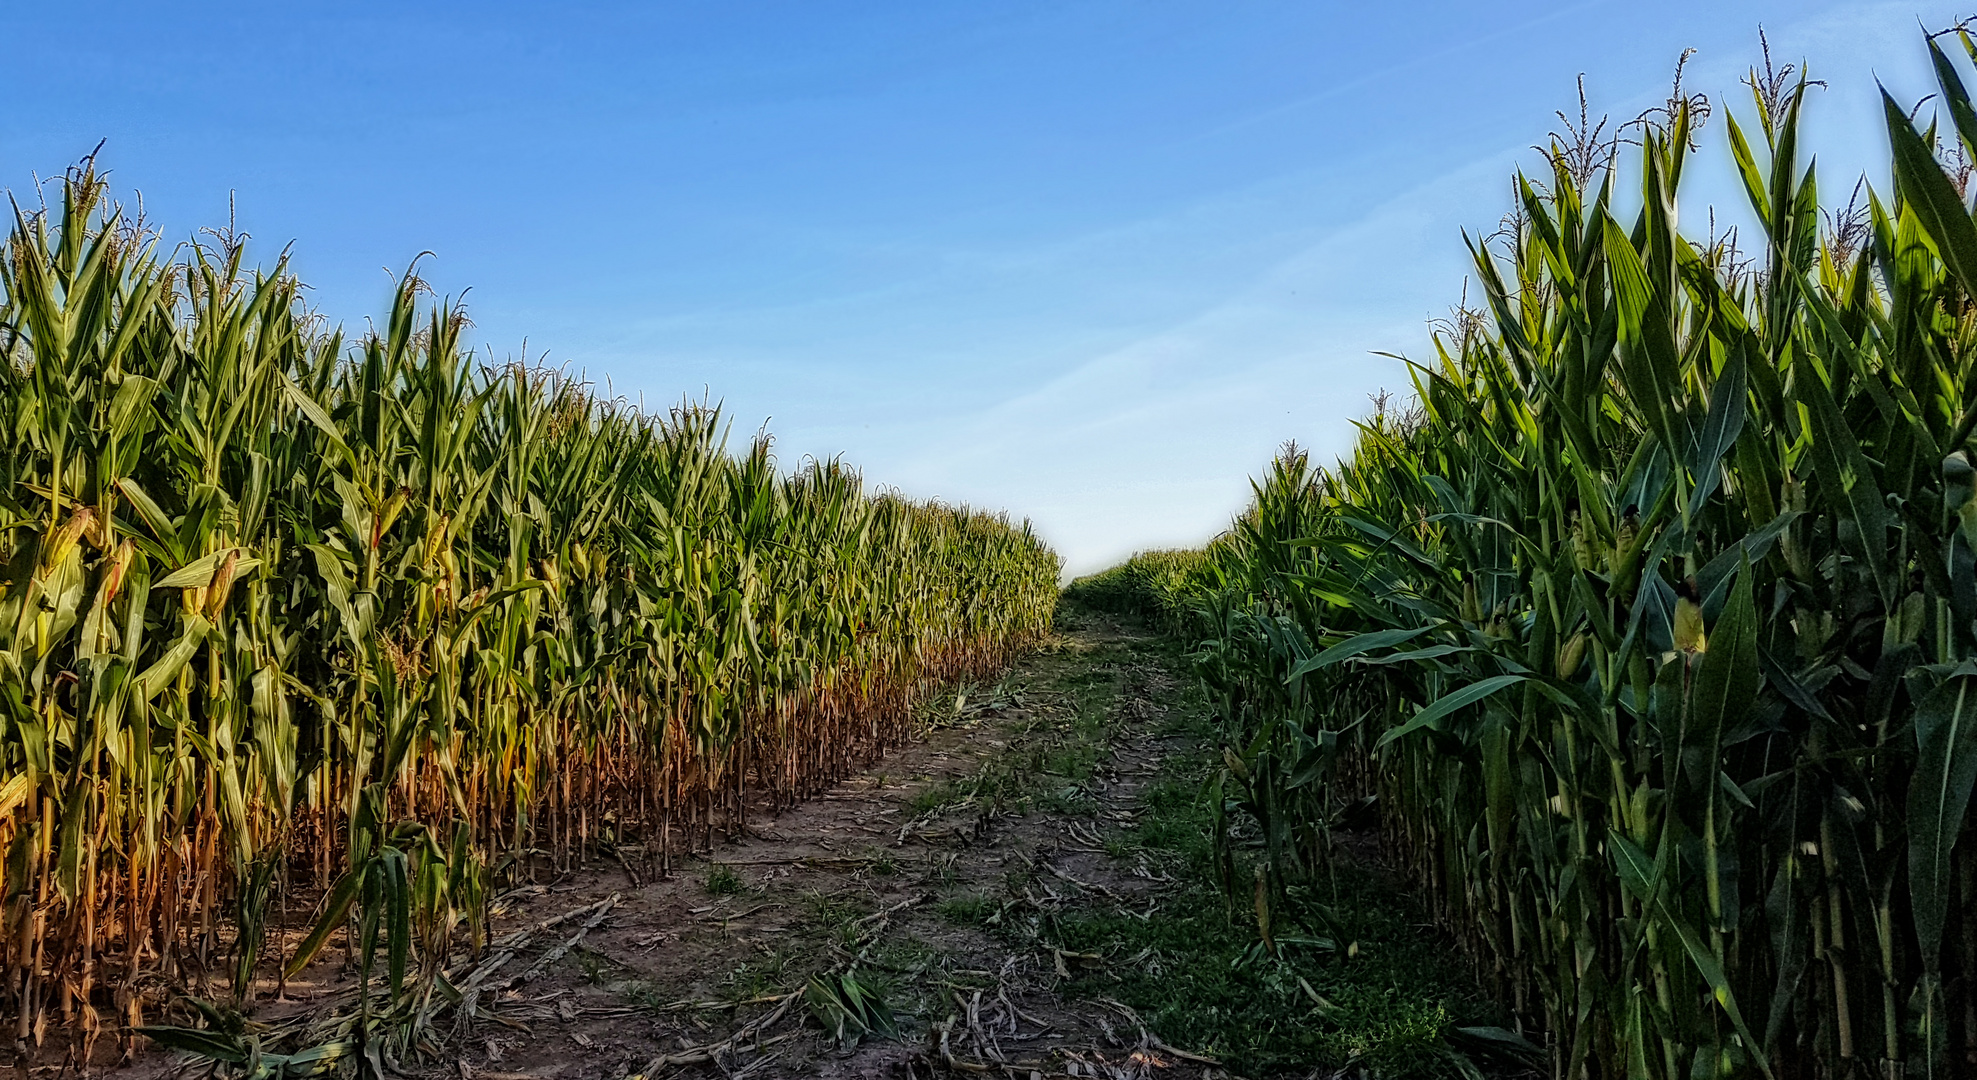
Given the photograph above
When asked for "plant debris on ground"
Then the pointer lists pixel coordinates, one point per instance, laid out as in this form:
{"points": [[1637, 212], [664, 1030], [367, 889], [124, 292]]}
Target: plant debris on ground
{"points": [[1033, 885]]}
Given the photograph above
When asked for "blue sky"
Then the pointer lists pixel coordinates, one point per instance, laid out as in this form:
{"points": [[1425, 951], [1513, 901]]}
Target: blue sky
{"points": [[1086, 262]]}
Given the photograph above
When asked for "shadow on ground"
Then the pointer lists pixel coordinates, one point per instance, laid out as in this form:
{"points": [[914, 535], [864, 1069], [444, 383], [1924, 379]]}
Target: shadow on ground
{"points": [[1031, 890]]}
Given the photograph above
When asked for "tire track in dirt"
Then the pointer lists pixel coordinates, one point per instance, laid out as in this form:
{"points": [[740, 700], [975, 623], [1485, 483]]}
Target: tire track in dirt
{"points": [[931, 877], [911, 876]]}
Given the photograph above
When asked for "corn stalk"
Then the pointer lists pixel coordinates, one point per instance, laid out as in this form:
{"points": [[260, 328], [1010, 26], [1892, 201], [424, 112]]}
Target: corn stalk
{"points": [[368, 629], [1654, 628]]}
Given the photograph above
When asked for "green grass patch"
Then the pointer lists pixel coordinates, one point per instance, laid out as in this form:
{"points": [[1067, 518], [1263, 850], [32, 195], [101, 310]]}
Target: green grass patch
{"points": [[1358, 982], [1380, 995], [758, 977], [939, 795], [834, 915], [968, 910], [721, 880]]}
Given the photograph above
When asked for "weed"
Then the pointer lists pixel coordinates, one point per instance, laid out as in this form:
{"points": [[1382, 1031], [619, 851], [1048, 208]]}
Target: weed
{"points": [[940, 868], [827, 908], [721, 880], [592, 963], [644, 994], [968, 910], [901, 956], [757, 978], [834, 915], [937, 796]]}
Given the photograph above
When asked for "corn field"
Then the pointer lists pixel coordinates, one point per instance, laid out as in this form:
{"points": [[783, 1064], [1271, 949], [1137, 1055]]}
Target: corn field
{"points": [[1161, 585], [368, 628], [1652, 625]]}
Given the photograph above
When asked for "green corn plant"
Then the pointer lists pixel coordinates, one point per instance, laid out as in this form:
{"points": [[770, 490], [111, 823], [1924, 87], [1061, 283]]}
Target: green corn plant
{"points": [[1651, 627], [1166, 586], [376, 625]]}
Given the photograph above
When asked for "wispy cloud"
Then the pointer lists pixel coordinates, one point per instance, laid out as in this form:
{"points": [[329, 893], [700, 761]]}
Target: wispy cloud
{"points": [[1148, 443]]}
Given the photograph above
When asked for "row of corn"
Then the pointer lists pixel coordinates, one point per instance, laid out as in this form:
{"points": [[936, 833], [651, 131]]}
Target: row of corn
{"points": [[1652, 624], [335, 637], [1160, 585]]}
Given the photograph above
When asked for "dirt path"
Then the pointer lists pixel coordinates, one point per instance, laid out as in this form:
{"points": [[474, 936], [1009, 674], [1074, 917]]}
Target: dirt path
{"points": [[995, 899], [931, 878]]}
